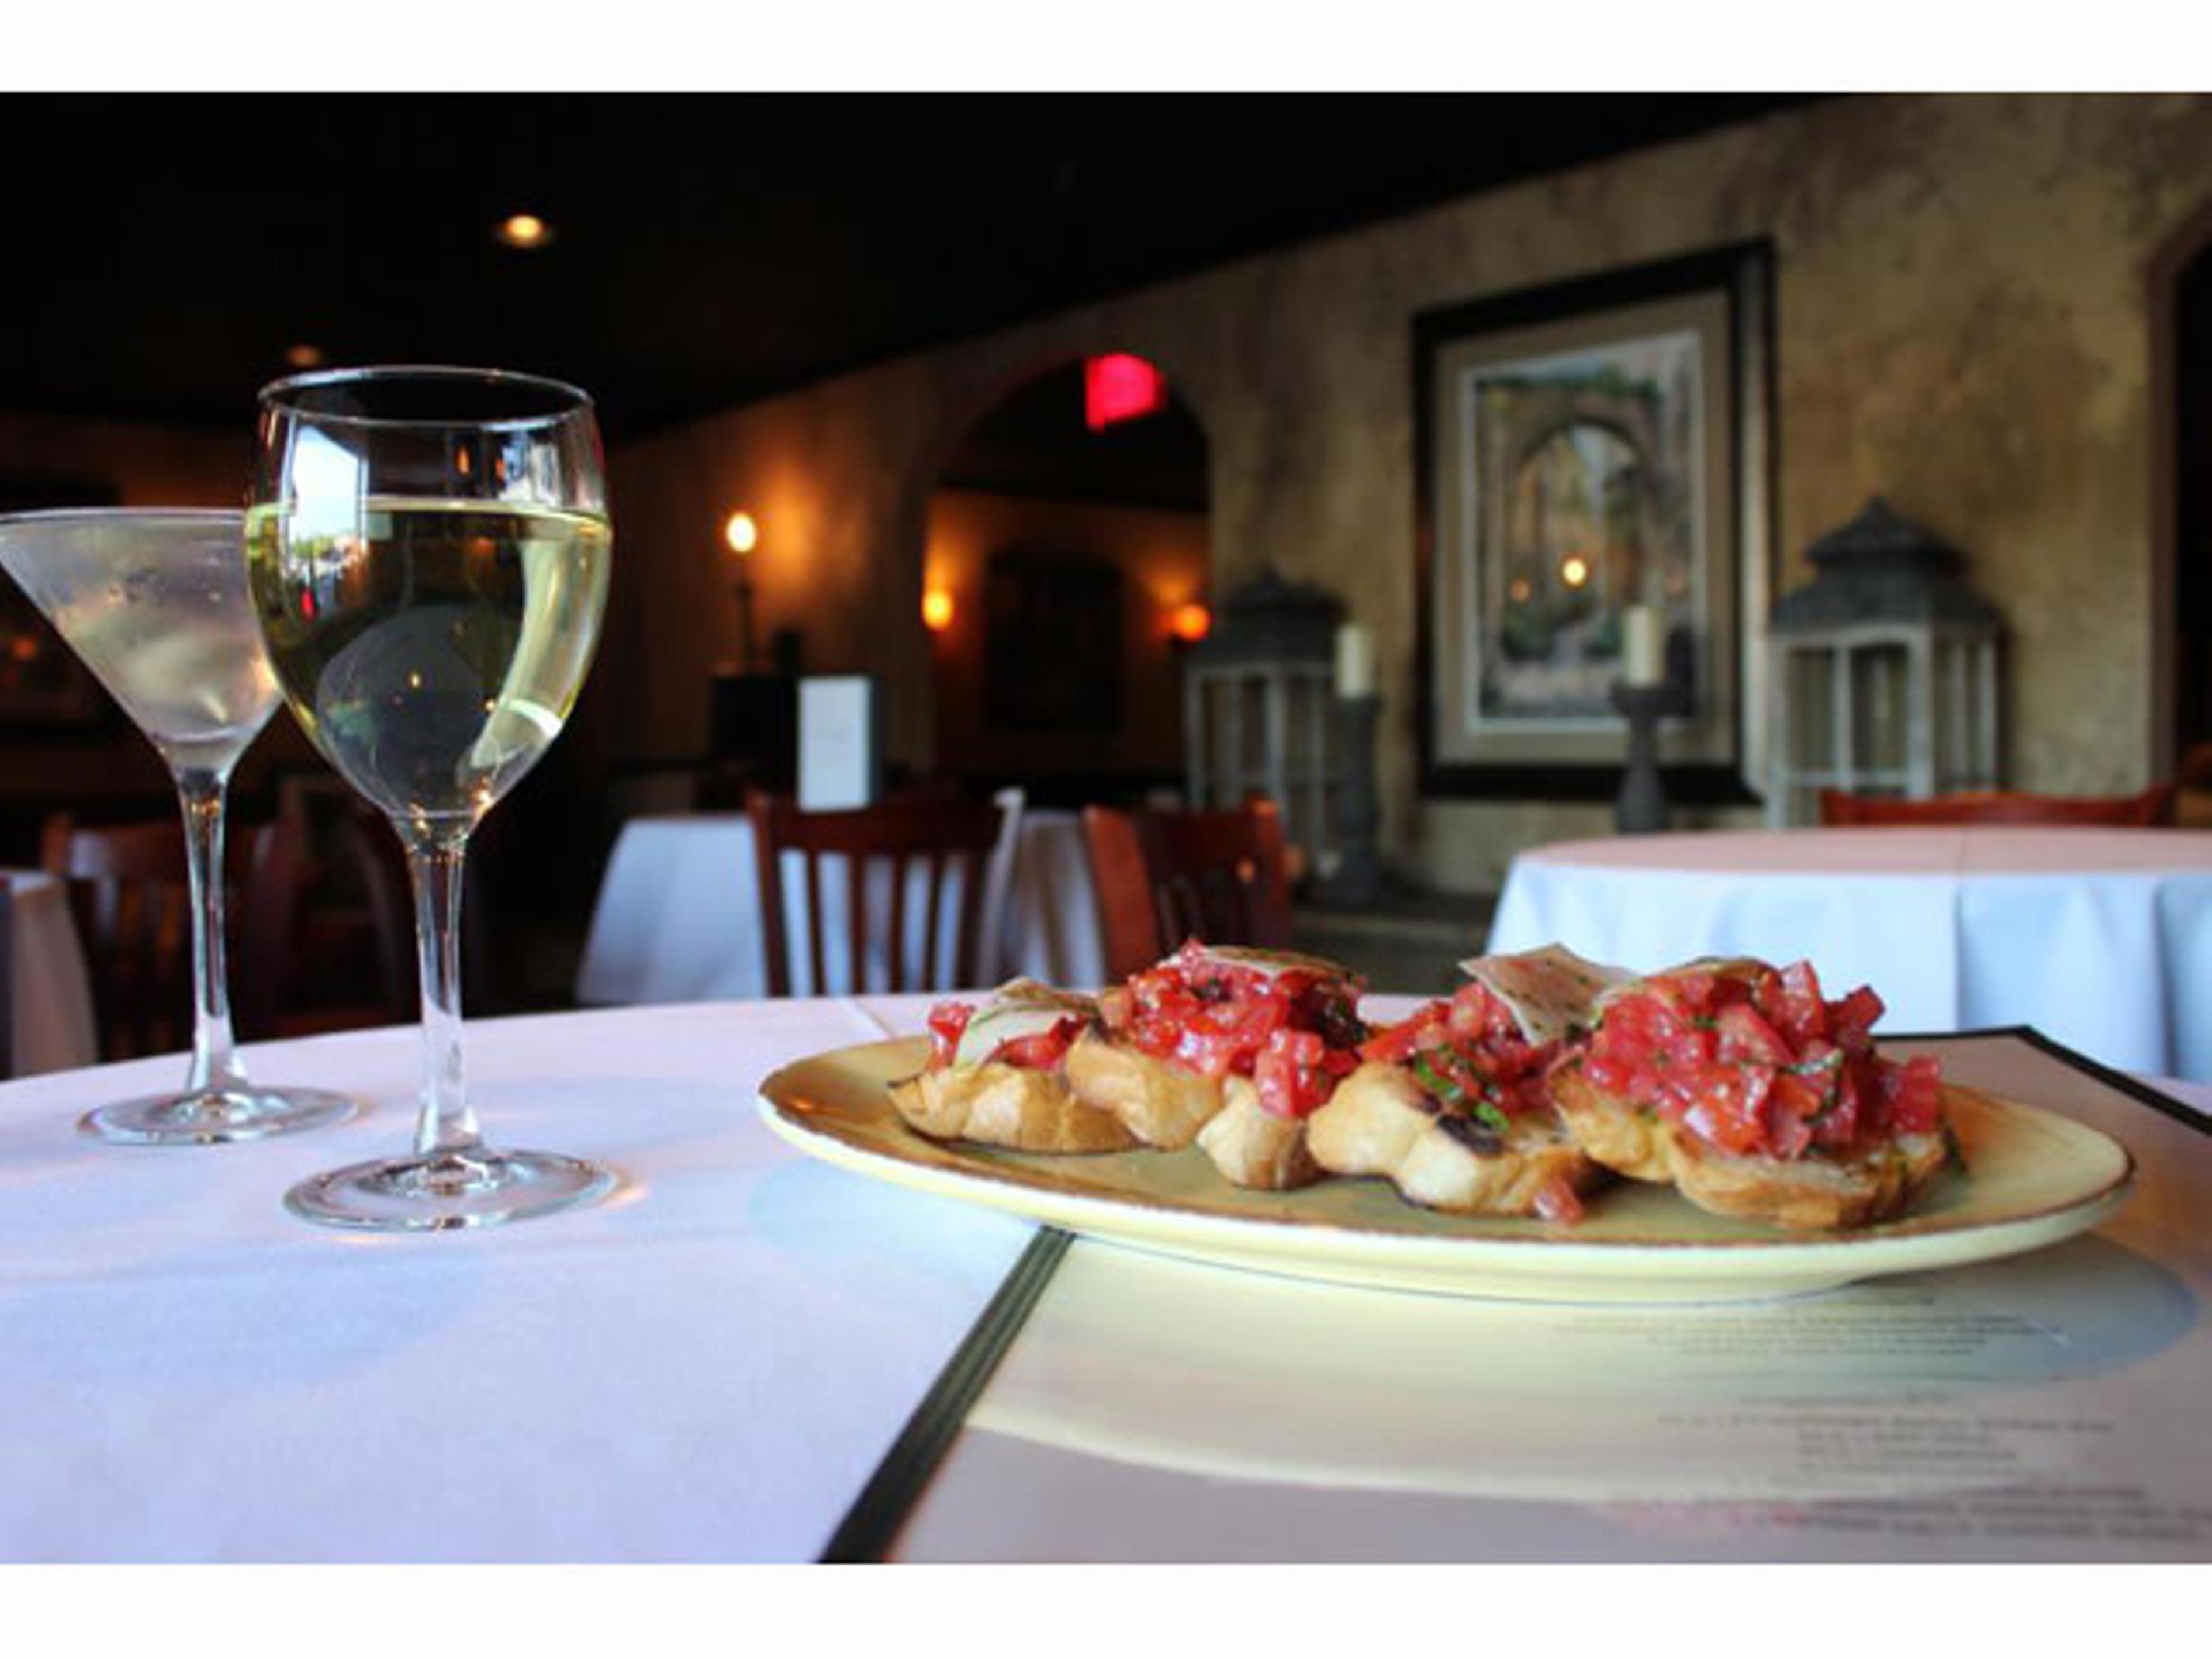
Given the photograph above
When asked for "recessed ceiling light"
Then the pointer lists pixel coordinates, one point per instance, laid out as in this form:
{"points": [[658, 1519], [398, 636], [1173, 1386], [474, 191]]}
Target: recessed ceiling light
{"points": [[305, 356], [522, 230]]}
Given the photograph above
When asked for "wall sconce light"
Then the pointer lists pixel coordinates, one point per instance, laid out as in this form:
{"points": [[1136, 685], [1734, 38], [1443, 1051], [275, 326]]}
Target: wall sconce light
{"points": [[1189, 623], [522, 230], [937, 610], [742, 536]]}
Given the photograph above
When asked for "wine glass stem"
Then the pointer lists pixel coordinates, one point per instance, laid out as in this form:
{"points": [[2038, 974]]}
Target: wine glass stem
{"points": [[215, 1062], [434, 859]]}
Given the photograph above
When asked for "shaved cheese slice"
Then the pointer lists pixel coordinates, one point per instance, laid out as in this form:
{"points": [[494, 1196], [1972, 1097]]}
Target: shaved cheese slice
{"points": [[1019, 1008], [1720, 967], [1550, 991], [1270, 963]]}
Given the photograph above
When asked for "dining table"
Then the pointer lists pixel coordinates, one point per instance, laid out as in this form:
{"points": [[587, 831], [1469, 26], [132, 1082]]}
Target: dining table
{"points": [[677, 915], [49, 1000], [2100, 938], [749, 1354]]}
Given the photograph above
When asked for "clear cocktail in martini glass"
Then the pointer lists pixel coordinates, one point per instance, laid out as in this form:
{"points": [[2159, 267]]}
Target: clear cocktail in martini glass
{"points": [[155, 603]]}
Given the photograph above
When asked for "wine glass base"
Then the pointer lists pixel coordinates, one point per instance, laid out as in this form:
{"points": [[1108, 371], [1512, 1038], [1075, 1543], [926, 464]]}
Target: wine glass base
{"points": [[474, 1188], [212, 1117]]}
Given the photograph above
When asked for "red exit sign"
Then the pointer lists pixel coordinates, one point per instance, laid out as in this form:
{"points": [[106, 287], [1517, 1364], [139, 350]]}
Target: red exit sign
{"points": [[1120, 387]]}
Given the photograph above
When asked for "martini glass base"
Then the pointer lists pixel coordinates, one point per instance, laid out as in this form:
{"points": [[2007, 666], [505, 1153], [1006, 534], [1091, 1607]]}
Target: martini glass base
{"points": [[211, 1117], [474, 1187]]}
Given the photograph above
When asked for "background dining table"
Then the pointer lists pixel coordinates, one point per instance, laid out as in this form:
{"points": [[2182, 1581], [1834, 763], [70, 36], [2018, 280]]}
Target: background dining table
{"points": [[678, 917], [49, 990], [2101, 937], [747, 1355]]}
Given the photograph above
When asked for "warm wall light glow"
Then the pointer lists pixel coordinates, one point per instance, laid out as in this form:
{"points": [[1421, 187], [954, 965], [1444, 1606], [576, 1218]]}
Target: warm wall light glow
{"points": [[523, 230], [304, 356], [741, 533], [1120, 387], [1190, 622], [937, 610], [1575, 571]]}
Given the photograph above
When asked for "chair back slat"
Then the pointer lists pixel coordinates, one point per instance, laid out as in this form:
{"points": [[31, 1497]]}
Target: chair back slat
{"points": [[2153, 807], [898, 935], [1163, 877], [130, 890], [903, 835]]}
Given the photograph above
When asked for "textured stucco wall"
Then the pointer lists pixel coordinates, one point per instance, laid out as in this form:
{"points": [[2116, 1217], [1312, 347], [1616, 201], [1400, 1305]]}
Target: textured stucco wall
{"points": [[1961, 324]]}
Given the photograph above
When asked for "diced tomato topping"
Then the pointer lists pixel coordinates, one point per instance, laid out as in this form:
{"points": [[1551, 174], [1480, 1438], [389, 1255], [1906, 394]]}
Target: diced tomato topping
{"points": [[947, 1020], [1294, 1033], [1041, 1051], [1757, 1062], [1468, 1052]]}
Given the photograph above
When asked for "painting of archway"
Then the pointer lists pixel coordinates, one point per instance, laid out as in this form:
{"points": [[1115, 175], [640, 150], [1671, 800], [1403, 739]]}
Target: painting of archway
{"points": [[1584, 450]]}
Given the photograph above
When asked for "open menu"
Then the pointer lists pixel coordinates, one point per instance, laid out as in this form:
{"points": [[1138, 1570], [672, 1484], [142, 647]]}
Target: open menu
{"points": [[2045, 1406]]}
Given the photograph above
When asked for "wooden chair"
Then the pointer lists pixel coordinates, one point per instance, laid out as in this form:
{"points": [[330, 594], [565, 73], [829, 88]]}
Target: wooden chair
{"points": [[131, 893], [1164, 877], [2152, 807], [909, 834], [327, 927]]}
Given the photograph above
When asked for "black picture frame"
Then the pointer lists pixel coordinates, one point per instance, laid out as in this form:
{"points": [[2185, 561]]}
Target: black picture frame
{"points": [[1736, 283]]}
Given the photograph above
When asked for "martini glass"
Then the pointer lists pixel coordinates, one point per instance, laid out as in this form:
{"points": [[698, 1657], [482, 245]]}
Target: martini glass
{"points": [[154, 602], [428, 553]]}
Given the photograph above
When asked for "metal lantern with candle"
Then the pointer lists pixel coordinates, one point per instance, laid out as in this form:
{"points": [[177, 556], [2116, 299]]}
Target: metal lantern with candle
{"points": [[1884, 669], [1259, 691]]}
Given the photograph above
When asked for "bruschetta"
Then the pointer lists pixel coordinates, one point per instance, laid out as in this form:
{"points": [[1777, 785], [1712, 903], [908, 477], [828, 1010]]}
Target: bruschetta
{"points": [[1452, 1103], [1757, 1096], [1231, 1048], [997, 1075]]}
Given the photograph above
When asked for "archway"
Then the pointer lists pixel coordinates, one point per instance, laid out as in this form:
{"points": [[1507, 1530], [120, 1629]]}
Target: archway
{"points": [[2191, 481], [1066, 560], [2180, 307]]}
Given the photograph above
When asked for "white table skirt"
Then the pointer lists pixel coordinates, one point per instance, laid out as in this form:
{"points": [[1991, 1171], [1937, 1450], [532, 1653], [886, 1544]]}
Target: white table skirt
{"points": [[53, 1018], [2101, 938], [678, 916], [708, 1366]]}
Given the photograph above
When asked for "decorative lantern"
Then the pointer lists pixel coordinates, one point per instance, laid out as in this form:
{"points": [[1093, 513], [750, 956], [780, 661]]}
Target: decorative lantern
{"points": [[1884, 672], [1258, 695]]}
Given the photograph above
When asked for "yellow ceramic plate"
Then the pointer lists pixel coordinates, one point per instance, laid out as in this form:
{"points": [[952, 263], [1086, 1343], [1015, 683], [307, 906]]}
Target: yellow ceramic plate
{"points": [[2032, 1178]]}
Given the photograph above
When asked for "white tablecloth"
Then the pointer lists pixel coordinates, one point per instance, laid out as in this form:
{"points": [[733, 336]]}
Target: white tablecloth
{"points": [[708, 1366], [51, 1018], [678, 917], [2101, 938]]}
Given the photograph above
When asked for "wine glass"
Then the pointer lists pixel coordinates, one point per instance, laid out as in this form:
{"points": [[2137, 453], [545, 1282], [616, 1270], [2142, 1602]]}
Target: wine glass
{"points": [[428, 555], [154, 602]]}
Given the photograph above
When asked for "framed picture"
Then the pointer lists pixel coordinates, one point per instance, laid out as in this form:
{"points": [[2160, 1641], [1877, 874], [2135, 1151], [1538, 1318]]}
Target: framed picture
{"points": [[1580, 449], [1052, 644], [43, 684]]}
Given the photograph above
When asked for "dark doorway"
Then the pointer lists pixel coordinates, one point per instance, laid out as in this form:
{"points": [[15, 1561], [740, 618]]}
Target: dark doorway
{"points": [[2192, 474], [1066, 556]]}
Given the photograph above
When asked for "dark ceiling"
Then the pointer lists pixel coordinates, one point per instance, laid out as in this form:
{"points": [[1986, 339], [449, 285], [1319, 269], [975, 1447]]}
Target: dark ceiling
{"points": [[162, 253]]}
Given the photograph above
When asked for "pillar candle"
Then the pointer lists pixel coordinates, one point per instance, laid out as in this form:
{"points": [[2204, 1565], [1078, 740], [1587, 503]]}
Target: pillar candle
{"points": [[1355, 661], [1643, 646]]}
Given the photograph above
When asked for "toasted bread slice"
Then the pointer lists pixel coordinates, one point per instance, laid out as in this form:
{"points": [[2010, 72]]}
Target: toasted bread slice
{"points": [[1013, 1106], [1252, 1147], [1380, 1122], [1808, 1195], [1160, 1103]]}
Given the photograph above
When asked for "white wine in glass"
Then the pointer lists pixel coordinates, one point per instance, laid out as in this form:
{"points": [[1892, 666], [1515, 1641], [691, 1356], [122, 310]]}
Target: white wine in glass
{"points": [[428, 550], [154, 602]]}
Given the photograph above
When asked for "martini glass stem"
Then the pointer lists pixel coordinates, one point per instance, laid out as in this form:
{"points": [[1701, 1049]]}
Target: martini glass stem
{"points": [[215, 1068], [446, 1127]]}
